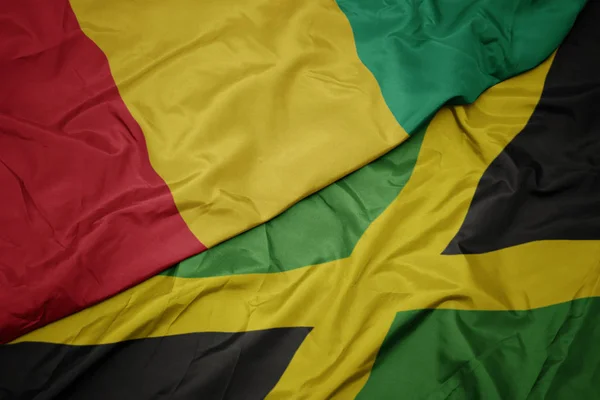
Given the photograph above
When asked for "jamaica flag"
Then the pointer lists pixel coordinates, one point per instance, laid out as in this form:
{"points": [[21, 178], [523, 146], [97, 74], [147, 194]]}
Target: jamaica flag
{"points": [[461, 264]]}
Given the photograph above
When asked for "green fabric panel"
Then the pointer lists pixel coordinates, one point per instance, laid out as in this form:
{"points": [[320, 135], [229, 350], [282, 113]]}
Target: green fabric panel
{"points": [[545, 353], [323, 227], [425, 53]]}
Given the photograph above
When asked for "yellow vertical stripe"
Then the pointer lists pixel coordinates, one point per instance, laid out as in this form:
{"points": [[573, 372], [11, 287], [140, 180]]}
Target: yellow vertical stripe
{"points": [[246, 106]]}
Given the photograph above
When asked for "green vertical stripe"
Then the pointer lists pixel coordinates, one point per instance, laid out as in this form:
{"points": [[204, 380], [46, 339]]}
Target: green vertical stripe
{"points": [[425, 53], [546, 353]]}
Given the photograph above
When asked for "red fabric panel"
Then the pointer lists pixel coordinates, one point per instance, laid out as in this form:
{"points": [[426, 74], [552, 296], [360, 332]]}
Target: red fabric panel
{"points": [[82, 213]]}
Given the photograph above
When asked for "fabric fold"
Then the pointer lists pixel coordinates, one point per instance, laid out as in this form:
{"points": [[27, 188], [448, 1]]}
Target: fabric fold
{"points": [[135, 136]]}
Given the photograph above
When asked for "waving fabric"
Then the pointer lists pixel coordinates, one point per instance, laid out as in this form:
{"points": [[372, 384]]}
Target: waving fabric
{"points": [[134, 135], [461, 264]]}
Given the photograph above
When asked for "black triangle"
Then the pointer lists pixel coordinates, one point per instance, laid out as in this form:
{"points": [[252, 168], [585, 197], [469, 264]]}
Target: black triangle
{"points": [[545, 185], [211, 365]]}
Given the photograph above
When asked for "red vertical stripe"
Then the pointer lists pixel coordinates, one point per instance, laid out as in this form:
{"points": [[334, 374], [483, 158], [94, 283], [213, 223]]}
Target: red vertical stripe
{"points": [[82, 213]]}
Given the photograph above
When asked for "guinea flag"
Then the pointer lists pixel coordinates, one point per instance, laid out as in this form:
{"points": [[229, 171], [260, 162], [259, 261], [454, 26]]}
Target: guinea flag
{"points": [[461, 264]]}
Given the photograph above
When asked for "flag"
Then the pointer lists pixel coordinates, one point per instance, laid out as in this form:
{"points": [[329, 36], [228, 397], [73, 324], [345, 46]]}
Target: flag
{"points": [[463, 263], [135, 135]]}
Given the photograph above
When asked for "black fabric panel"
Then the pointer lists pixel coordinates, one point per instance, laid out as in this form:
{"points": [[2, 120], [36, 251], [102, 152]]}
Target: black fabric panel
{"points": [[546, 183], [192, 366]]}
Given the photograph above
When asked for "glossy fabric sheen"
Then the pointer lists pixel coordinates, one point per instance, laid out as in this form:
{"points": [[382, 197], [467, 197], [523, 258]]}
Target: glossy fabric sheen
{"points": [[246, 106], [245, 114], [422, 55], [329, 223], [206, 365], [82, 213], [546, 183], [242, 115], [425, 53], [396, 266], [544, 353]]}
